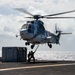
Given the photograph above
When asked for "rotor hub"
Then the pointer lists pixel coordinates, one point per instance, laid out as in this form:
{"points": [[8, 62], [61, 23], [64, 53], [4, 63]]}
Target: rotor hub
{"points": [[37, 17]]}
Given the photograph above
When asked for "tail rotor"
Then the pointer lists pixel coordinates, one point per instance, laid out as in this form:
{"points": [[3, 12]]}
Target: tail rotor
{"points": [[56, 29], [59, 31]]}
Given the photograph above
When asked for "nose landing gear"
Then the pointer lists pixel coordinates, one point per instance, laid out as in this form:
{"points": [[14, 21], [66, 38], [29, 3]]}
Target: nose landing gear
{"points": [[27, 43]]}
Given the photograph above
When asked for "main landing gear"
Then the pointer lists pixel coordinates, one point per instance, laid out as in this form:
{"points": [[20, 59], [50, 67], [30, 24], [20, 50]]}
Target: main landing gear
{"points": [[50, 45], [27, 43], [32, 46]]}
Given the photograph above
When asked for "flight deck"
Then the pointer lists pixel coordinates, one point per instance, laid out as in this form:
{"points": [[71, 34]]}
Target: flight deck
{"points": [[38, 68]]}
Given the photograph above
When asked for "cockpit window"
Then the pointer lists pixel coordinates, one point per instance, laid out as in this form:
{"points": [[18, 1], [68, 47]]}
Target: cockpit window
{"points": [[29, 26], [25, 26]]}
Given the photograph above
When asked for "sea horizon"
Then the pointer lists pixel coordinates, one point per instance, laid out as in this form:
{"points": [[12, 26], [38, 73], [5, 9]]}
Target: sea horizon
{"points": [[53, 55]]}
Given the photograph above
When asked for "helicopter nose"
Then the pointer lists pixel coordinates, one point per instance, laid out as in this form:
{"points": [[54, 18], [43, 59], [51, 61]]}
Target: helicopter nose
{"points": [[21, 33]]}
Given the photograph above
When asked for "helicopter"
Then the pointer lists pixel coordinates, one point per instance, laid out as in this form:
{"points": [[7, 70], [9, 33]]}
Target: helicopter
{"points": [[34, 32]]}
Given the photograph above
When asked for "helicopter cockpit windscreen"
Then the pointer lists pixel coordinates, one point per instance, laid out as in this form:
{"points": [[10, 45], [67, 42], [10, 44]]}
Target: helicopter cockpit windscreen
{"points": [[29, 27], [25, 26]]}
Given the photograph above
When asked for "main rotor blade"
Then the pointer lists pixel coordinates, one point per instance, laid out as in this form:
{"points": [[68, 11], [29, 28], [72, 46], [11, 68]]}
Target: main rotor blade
{"points": [[28, 17], [61, 13], [60, 17], [65, 33], [23, 10]]}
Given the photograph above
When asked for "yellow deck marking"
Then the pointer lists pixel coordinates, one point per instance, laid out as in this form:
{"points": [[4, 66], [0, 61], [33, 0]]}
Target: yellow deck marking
{"points": [[40, 66]]}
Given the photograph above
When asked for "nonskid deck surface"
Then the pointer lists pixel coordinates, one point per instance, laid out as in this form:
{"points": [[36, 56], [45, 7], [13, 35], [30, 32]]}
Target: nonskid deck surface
{"points": [[38, 68]]}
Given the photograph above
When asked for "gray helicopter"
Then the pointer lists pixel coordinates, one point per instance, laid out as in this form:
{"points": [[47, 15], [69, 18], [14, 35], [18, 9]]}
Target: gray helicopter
{"points": [[34, 32]]}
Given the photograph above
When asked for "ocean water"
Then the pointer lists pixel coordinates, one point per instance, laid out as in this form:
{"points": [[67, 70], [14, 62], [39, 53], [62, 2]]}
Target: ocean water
{"points": [[55, 55]]}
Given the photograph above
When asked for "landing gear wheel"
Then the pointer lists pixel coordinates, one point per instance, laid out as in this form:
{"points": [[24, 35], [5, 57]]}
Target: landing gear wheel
{"points": [[50, 45], [32, 46], [27, 43]]}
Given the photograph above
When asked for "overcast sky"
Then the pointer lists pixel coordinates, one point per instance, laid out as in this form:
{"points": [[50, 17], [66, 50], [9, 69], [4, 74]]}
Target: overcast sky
{"points": [[12, 20]]}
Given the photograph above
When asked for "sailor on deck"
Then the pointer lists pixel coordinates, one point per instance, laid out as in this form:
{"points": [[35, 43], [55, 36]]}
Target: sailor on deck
{"points": [[31, 55]]}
